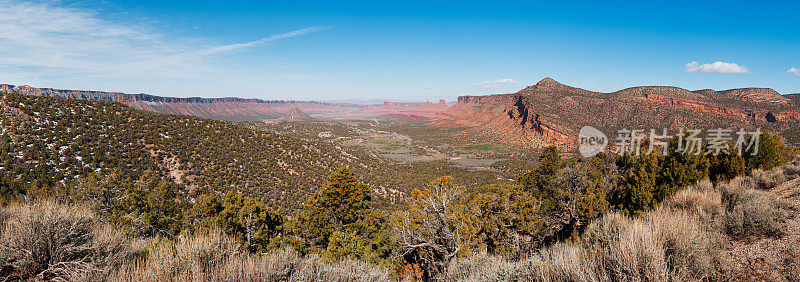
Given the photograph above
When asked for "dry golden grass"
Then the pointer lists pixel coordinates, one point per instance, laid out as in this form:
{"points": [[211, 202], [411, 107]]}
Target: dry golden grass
{"points": [[49, 241], [216, 257], [45, 240], [703, 201]]}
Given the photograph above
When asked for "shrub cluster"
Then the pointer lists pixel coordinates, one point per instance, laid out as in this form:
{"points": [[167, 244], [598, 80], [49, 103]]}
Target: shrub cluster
{"points": [[679, 240]]}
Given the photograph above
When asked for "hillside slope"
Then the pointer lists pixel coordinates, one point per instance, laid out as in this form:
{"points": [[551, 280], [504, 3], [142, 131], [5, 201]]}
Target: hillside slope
{"points": [[744, 230], [55, 140]]}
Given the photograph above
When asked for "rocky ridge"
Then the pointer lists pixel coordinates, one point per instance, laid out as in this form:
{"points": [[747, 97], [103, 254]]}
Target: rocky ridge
{"points": [[551, 113]]}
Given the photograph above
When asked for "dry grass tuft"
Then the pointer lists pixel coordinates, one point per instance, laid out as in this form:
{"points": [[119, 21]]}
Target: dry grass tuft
{"points": [[216, 257], [45, 241], [766, 180], [480, 265], [606, 230], [792, 169], [703, 201], [690, 245], [752, 213]]}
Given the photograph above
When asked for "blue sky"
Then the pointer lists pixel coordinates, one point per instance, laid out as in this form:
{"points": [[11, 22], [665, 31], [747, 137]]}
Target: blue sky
{"points": [[395, 50]]}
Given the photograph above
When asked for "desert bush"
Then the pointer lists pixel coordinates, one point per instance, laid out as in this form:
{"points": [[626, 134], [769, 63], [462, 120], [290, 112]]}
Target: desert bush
{"points": [[664, 245], [752, 213], [313, 268], [602, 232], [690, 246], [478, 265], [637, 255], [765, 180], [702, 200], [792, 170], [562, 262], [47, 241]]}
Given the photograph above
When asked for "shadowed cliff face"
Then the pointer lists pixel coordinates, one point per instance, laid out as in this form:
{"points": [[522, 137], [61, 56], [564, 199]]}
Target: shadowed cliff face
{"points": [[550, 113], [519, 110]]}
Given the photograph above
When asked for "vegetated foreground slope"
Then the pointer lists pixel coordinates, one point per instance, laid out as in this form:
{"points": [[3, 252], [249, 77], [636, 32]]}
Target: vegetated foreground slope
{"points": [[550, 113], [56, 140], [745, 230]]}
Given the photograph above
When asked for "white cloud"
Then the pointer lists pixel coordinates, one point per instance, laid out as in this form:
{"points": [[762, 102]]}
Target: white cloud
{"points": [[496, 83], [794, 71], [44, 39], [500, 81], [716, 67]]}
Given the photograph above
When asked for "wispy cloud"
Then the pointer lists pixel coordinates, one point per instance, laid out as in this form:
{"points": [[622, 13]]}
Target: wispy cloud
{"points": [[237, 46], [794, 71], [48, 39], [500, 81], [716, 67], [497, 82]]}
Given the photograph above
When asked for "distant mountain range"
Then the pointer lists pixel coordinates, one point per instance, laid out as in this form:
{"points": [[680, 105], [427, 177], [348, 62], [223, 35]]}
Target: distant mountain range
{"points": [[547, 113], [232, 108], [550, 113]]}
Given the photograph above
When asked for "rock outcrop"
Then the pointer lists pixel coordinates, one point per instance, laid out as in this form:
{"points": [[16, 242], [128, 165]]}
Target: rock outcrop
{"points": [[296, 115]]}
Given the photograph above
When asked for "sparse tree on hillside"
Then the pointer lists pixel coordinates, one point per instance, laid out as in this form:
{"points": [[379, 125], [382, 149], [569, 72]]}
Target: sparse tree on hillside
{"points": [[500, 219], [430, 235], [539, 180], [338, 222], [769, 153], [638, 188], [726, 167], [341, 202]]}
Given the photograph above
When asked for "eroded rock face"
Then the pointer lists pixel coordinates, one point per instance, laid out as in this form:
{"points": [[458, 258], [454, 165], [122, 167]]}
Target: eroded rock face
{"points": [[550, 113]]}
